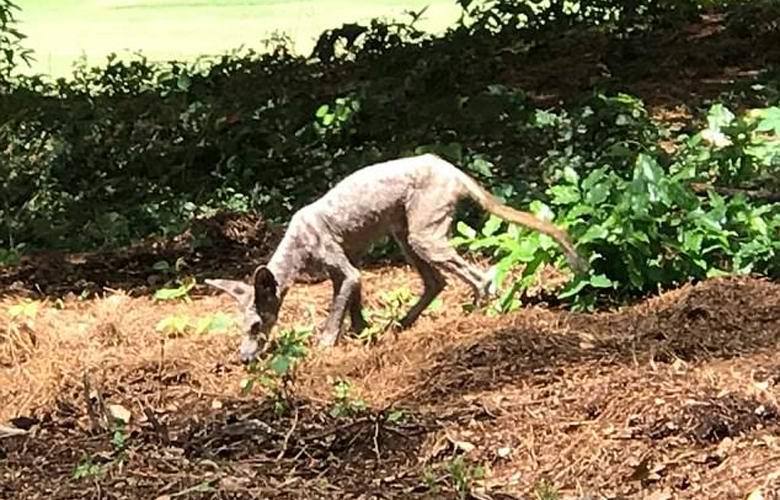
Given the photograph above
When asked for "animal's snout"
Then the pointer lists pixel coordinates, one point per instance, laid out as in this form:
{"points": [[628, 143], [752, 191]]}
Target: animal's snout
{"points": [[249, 348]]}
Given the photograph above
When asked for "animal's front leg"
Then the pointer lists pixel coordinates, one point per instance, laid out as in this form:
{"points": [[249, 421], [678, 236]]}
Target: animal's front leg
{"points": [[346, 283]]}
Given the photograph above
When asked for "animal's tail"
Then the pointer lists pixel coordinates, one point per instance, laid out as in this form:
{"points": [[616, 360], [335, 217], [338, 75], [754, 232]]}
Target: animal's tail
{"points": [[490, 203]]}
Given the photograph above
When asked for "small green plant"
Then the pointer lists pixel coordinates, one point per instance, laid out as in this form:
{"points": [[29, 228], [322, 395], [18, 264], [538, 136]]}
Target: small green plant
{"points": [[178, 325], [175, 325], [12, 52], [396, 417], [88, 468], [462, 476], [10, 257], [218, 322], [431, 480], [119, 438], [26, 310], [344, 404], [181, 292], [276, 370], [545, 490], [119, 442], [395, 303]]}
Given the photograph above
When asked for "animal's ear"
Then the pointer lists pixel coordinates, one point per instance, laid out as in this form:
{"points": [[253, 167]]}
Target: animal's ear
{"points": [[239, 290], [265, 282]]}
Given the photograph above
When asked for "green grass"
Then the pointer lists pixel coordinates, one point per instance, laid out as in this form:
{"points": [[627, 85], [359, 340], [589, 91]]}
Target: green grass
{"points": [[60, 31]]}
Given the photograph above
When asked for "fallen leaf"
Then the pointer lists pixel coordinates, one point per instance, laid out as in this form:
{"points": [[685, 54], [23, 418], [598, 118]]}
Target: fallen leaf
{"points": [[504, 451], [120, 413]]}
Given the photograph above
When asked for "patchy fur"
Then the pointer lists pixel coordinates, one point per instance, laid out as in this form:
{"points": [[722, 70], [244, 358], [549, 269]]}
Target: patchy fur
{"points": [[413, 199]]}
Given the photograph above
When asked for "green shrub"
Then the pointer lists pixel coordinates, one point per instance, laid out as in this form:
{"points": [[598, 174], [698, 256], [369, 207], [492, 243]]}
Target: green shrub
{"points": [[647, 227]]}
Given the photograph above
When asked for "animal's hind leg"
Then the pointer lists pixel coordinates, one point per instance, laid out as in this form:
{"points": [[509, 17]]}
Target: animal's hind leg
{"points": [[429, 223], [445, 258], [433, 281], [358, 322]]}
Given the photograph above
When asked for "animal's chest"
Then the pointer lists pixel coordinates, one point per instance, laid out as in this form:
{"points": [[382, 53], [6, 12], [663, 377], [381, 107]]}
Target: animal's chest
{"points": [[356, 219], [359, 232]]}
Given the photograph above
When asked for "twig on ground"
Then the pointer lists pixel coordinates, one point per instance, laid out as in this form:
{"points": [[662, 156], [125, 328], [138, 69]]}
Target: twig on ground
{"points": [[6, 431], [93, 417], [377, 425], [287, 436], [159, 428]]}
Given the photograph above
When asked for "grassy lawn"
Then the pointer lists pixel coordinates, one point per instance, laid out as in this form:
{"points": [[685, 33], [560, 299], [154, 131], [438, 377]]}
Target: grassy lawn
{"points": [[60, 31]]}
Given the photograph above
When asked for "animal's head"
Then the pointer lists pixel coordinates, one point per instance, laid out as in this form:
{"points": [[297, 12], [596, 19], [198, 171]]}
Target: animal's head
{"points": [[258, 304]]}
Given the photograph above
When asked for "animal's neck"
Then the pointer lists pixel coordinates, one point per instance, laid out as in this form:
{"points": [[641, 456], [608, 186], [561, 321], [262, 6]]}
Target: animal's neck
{"points": [[287, 261]]}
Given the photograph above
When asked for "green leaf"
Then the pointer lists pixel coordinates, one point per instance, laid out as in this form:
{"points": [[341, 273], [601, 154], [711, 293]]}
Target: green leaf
{"points": [[280, 364], [601, 281], [183, 82], [161, 266], [598, 194], [544, 118], [168, 293], [541, 210], [564, 194], [573, 288], [173, 324], [527, 248], [322, 111], [719, 116], [770, 120], [597, 232], [649, 169], [219, 322], [593, 178], [757, 224], [466, 230], [571, 176], [491, 225], [482, 167], [716, 273], [692, 242]]}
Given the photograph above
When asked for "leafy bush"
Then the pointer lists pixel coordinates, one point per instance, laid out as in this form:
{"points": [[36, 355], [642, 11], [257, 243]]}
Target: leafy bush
{"points": [[133, 148], [647, 227], [531, 17], [12, 52]]}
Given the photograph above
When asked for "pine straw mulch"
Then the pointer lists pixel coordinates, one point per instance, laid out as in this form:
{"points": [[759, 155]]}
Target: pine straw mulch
{"points": [[675, 397]]}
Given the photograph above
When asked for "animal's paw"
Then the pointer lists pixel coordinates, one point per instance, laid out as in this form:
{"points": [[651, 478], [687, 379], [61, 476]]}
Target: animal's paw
{"points": [[250, 347], [327, 339], [359, 325], [489, 288]]}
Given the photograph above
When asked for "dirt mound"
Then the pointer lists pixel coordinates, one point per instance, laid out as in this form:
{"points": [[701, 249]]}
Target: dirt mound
{"points": [[674, 397]]}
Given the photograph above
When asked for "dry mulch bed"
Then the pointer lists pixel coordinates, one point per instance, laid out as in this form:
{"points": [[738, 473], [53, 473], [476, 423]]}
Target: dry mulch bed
{"points": [[674, 397]]}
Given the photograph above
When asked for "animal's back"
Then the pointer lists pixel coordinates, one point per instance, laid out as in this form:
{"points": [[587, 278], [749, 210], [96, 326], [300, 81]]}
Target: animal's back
{"points": [[369, 200]]}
